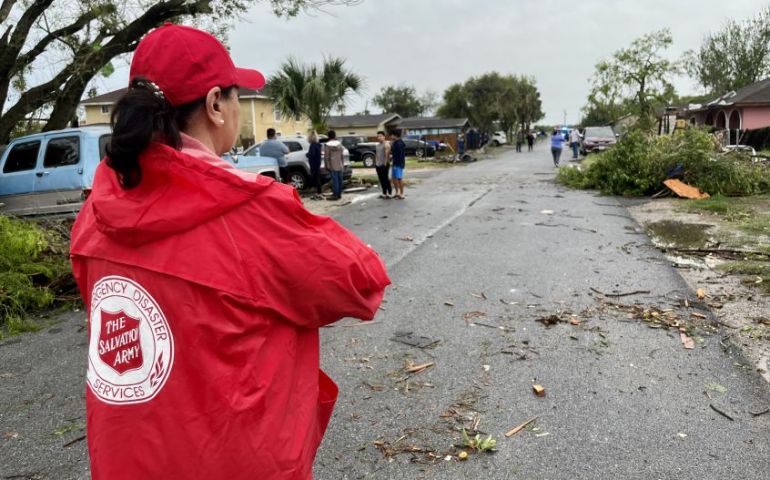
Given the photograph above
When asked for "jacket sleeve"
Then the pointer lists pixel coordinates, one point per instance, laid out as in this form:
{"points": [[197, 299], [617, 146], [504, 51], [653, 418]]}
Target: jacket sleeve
{"points": [[305, 268]]}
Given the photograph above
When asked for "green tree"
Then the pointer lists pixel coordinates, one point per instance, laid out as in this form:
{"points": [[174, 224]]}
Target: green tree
{"points": [[734, 57], [76, 41], [511, 101], [400, 99], [313, 90], [638, 75]]}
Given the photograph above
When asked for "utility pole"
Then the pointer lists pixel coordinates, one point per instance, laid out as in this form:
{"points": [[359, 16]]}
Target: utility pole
{"points": [[565, 119]]}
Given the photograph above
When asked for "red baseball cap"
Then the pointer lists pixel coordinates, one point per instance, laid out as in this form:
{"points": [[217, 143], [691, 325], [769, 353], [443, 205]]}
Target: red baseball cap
{"points": [[185, 63]]}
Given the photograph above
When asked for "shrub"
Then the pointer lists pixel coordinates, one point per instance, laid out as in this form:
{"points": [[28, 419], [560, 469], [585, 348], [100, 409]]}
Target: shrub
{"points": [[32, 272], [639, 164]]}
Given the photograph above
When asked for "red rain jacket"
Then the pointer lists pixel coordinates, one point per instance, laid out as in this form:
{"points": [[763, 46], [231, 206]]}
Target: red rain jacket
{"points": [[205, 288]]}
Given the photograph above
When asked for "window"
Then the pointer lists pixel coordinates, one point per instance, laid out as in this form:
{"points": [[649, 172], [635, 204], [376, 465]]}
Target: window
{"points": [[104, 140], [277, 115], [293, 146], [22, 157], [105, 109], [61, 152]]}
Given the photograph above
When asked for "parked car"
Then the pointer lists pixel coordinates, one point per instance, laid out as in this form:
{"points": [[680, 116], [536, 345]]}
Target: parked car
{"points": [[360, 148], [435, 143], [596, 139], [50, 172], [266, 166], [498, 138], [297, 162], [419, 148]]}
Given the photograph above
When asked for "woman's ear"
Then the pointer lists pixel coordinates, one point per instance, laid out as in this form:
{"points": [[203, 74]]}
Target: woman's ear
{"points": [[214, 99]]}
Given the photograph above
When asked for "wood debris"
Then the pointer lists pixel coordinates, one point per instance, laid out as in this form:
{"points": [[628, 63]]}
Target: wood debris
{"points": [[519, 428], [539, 390]]}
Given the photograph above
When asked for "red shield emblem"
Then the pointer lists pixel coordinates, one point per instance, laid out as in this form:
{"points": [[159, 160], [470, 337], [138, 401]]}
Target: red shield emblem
{"points": [[119, 345]]}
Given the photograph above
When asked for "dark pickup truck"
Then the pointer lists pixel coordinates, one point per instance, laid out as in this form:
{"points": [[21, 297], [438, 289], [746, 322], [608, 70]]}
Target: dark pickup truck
{"points": [[361, 150]]}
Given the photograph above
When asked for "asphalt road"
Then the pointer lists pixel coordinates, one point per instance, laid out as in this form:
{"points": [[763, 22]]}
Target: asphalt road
{"points": [[622, 400]]}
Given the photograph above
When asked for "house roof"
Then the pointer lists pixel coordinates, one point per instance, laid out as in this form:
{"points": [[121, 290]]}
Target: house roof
{"points": [[110, 98], [432, 122], [105, 99], [343, 121], [754, 94]]}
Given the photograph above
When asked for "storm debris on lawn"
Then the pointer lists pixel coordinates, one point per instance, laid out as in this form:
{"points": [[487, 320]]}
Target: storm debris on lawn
{"points": [[411, 339], [681, 189]]}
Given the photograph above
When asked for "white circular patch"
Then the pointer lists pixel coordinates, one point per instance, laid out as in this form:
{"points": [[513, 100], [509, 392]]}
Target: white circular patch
{"points": [[131, 349]]}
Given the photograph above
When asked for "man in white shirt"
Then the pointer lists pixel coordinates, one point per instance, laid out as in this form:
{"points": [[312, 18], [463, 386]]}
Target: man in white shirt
{"points": [[574, 142]]}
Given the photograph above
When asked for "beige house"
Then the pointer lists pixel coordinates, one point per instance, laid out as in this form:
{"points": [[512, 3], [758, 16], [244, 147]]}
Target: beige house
{"points": [[257, 115], [363, 125]]}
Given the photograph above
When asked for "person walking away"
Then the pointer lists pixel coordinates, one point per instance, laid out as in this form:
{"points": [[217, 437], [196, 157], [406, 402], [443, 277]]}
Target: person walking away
{"points": [[333, 153], [398, 153], [530, 141], [519, 140], [314, 159], [382, 164], [205, 285], [557, 143], [274, 148], [574, 142]]}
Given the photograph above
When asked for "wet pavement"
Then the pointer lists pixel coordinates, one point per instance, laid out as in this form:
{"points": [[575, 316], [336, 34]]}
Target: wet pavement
{"points": [[477, 255]]}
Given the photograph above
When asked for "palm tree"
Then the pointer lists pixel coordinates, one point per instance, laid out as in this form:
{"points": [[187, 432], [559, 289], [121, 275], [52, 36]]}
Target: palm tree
{"points": [[312, 90]]}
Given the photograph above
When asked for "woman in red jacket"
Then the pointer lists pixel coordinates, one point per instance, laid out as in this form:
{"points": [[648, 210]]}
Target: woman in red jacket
{"points": [[205, 285]]}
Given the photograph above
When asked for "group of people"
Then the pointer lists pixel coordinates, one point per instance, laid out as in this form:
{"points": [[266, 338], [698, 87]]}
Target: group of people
{"points": [[558, 140], [521, 137], [390, 162]]}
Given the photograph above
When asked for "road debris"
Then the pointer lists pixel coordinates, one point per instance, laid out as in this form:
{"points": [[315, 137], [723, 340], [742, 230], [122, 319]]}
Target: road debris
{"points": [[462, 456], [721, 412], [685, 191], [478, 443], [468, 316], [479, 295], [539, 390], [757, 414], [406, 239], [419, 341], [448, 303], [547, 212], [520, 427], [700, 293], [410, 367], [550, 320], [618, 295], [687, 342]]}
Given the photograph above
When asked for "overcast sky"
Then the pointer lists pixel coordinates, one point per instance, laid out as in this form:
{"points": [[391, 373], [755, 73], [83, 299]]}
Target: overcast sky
{"points": [[431, 44]]}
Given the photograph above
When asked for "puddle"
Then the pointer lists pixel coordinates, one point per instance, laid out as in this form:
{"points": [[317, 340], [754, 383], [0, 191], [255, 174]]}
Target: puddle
{"points": [[672, 233]]}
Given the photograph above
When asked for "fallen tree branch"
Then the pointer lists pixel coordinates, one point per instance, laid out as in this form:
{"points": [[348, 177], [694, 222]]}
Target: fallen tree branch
{"points": [[618, 295]]}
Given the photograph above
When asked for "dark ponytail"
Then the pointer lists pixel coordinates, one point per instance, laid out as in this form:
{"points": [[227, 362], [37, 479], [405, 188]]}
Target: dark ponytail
{"points": [[141, 116]]}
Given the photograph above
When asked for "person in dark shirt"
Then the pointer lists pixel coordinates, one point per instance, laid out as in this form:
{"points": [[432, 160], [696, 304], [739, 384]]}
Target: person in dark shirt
{"points": [[314, 159], [398, 153]]}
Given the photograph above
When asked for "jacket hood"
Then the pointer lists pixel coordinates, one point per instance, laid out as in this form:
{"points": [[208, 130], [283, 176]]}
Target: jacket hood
{"points": [[179, 190], [334, 143]]}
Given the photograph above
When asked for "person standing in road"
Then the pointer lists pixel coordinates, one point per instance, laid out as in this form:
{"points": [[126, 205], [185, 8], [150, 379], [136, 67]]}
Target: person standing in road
{"points": [[205, 285], [557, 143], [398, 153], [314, 159], [274, 148], [530, 141], [519, 140], [574, 142], [382, 164], [333, 153]]}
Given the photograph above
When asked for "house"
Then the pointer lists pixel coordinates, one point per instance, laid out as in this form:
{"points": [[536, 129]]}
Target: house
{"points": [[745, 109], [444, 130], [257, 115], [363, 125]]}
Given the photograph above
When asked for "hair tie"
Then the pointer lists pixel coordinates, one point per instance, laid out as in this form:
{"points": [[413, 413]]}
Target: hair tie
{"points": [[153, 87]]}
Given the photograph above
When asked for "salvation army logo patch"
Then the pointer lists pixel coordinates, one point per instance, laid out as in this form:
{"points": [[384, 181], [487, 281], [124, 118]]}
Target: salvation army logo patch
{"points": [[131, 349]]}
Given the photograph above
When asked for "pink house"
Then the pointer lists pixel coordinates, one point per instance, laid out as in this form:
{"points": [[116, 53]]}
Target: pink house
{"points": [[746, 109]]}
